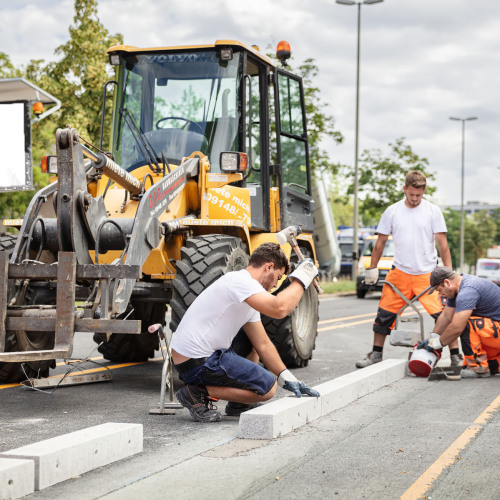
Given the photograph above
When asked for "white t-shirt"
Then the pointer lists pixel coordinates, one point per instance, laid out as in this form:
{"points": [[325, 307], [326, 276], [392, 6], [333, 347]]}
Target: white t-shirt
{"points": [[413, 231], [216, 315]]}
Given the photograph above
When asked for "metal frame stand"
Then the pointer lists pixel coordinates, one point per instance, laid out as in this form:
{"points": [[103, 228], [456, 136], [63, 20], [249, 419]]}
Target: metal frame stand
{"points": [[407, 338], [167, 381]]}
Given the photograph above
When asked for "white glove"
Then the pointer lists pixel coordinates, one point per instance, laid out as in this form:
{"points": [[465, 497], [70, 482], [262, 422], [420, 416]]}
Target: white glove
{"points": [[284, 376], [431, 344], [371, 276], [305, 272]]}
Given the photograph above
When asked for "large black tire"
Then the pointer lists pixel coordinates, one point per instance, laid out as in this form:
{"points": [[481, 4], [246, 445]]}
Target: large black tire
{"points": [[128, 348], [7, 243], [204, 259], [24, 341], [360, 293], [294, 336]]}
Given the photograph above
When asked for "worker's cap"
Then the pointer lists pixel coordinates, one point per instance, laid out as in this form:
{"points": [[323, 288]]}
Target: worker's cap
{"points": [[438, 275]]}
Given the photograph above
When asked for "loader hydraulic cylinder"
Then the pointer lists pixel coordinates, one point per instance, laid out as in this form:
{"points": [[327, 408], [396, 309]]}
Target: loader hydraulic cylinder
{"points": [[113, 171]]}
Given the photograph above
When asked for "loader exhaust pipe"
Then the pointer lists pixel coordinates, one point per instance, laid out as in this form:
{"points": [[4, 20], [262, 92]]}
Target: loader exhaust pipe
{"points": [[113, 171]]}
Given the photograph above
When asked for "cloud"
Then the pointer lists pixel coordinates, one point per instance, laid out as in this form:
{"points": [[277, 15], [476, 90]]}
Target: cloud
{"points": [[421, 62]]}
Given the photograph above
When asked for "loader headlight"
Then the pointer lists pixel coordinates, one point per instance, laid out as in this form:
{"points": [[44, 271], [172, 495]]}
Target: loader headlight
{"points": [[233, 162], [114, 59], [49, 164], [226, 54]]}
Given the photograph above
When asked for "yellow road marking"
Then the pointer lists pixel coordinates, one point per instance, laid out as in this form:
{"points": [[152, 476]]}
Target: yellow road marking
{"points": [[372, 317], [74, 361], [82, 372], [344, 325], [424, 482], [92, 370], [7, 386], [334, 320]]}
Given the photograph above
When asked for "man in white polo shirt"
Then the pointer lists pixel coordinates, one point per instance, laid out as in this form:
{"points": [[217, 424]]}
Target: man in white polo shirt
{"points": [[220, 339]]}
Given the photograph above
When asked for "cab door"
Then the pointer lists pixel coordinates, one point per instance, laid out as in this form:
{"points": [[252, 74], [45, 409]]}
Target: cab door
{"points": [[256, 139], [297, 205]]}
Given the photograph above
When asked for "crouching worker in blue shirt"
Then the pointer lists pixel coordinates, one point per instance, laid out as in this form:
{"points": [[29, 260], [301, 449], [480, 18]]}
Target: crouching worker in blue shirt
{"points": [[218, 343]]}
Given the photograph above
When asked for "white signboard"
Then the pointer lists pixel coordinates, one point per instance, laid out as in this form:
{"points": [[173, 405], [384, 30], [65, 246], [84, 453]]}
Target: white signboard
{"points": [[15, 147]]}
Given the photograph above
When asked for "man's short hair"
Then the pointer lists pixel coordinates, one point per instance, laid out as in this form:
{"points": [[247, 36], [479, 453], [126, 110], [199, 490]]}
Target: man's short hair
{"points": [[415, 179], [269, 252]]}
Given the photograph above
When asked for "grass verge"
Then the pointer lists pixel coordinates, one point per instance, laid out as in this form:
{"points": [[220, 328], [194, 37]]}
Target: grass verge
{"points": [[340, 286]]}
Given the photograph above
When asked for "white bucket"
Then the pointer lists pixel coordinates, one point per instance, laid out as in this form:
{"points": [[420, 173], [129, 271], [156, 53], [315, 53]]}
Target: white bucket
{"points": [[422, 361]]}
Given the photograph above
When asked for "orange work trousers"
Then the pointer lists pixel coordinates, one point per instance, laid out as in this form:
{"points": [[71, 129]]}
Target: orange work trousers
{"points": [[481, 345], [390, 303]]}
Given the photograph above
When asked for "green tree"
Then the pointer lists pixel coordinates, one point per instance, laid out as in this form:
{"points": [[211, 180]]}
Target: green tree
{"points": [[479, 235], [452, 219], [495, 217], [381, 177], [480, 232], [77, 80], [342, 209], [7, 69], [78, 77], [320, 124]]}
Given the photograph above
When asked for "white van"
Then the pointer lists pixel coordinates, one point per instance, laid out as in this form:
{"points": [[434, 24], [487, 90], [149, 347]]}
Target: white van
{"points": [[489, 269]]}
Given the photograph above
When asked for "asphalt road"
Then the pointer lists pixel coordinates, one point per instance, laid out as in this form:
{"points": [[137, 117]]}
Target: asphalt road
{"points": [[390, 443]]}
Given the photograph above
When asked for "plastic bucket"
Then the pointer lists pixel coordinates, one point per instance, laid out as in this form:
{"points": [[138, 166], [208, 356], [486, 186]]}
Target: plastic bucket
{"points": [[422, 361]]}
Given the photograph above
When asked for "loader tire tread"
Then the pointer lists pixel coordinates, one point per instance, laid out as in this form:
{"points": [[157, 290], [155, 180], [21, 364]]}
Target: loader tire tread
{"points": [[7, 242], [294, 336], [129, 348], [13, 372], [204, 259]]}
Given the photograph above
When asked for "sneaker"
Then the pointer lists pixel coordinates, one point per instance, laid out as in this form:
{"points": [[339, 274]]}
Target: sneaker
{"points": [[371, 359], [472, 374], [456, 360], [199, 403], [236, 409]]}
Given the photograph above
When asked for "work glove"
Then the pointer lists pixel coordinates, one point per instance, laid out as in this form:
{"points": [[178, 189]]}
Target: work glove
{"points": [[371, 276], [305, 272], [432, 344], [290, 383]]}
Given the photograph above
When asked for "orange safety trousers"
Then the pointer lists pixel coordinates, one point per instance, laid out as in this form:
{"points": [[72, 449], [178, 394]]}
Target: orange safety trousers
{"points": [[481, 345], [390, 303]]}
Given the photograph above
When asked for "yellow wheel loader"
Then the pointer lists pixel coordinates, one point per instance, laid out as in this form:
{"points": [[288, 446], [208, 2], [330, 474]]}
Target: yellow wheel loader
{"points": [[209, 160]]}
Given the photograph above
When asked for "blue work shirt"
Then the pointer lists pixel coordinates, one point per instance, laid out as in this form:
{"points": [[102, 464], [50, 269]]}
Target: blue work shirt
{"points": [[478, 294]]}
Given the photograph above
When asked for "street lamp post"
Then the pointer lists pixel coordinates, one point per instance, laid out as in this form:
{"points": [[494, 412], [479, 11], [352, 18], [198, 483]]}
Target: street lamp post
{"points": [[463, 120], [355, 224]]}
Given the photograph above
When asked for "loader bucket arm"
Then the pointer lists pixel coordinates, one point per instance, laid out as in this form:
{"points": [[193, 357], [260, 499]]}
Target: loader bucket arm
{"points": [[146, 229]]}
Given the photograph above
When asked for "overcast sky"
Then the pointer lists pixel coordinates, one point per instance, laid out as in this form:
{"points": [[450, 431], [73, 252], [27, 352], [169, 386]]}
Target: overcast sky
{"points": [[422, 61]]}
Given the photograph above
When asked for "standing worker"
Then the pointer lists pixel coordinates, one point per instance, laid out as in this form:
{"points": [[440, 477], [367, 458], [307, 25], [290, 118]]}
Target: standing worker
{"points": [[218, 343], [472, 311], [416, 226]]}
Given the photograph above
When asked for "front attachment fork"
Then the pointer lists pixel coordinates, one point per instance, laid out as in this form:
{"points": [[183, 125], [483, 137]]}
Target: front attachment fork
{"points": [[63, 320]]}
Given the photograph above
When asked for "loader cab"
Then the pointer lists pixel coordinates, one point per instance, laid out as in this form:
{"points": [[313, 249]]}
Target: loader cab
{"points": [[171, 102]]}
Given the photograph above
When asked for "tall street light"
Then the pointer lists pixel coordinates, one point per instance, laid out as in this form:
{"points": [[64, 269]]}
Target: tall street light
{"points": [[463, 120], [355, 224]]}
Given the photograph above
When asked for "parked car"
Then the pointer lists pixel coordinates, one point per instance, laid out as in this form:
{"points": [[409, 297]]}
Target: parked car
{"points": [[345, 237], [346, 261], [384, 266], [489, 269]]}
